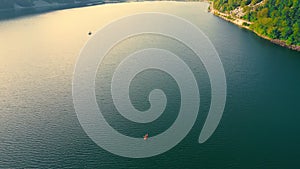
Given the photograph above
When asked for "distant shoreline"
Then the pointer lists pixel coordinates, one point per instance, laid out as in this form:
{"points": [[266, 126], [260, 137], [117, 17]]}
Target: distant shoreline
{"points": [[245, 24], [23, 11], [38, 9]]}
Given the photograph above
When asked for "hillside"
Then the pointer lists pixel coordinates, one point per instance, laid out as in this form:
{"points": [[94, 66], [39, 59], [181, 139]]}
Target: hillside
{"points": [[15, 4], [277, 20]]}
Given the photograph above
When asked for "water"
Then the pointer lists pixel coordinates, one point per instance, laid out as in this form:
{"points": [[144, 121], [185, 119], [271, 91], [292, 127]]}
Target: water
{"points": [[38, 124]]}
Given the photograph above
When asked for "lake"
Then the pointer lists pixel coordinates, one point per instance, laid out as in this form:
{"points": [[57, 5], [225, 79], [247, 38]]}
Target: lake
{"points": [[38, 123]]}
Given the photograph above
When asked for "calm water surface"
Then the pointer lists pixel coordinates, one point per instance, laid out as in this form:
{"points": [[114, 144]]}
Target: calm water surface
{"points": [[38, 124]]}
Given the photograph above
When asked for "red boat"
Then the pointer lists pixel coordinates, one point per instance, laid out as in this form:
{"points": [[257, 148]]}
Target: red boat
{"points": [[146, 136]]}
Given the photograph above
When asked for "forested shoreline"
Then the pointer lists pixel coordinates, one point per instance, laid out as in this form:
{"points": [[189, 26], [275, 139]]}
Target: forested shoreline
{"points": [[276, 20]]}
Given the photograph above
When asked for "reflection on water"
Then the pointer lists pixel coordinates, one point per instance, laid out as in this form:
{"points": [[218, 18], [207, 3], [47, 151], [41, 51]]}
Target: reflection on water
{"points": [[145, 82], [39, 128]]}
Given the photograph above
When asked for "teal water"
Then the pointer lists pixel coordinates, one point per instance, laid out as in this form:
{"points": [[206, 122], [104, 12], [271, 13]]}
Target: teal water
{"points": [[38, 124]]}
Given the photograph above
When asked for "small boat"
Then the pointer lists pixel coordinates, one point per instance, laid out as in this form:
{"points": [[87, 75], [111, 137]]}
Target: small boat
{"points": [[146, 136]]}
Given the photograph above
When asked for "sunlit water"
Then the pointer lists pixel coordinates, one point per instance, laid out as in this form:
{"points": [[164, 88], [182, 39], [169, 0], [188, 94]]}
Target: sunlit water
{"points": [[260, 127]]}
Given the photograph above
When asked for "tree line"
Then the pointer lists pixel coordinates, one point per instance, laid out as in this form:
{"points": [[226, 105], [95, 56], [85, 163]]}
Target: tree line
{"points": [[276, 19]]}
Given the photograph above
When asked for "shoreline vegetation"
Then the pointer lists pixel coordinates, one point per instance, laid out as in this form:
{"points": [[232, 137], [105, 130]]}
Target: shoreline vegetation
{"points": [[230, 17]]}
